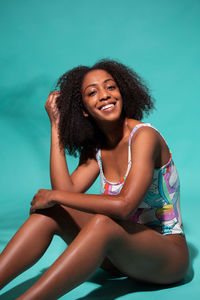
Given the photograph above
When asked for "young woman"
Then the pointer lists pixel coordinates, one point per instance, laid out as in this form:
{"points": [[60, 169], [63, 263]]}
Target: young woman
{"points": [[133, 228]]}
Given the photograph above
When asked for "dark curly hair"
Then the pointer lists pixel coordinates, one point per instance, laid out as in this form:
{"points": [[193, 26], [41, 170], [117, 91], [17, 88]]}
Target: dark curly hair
{"points": [[81, 135]]}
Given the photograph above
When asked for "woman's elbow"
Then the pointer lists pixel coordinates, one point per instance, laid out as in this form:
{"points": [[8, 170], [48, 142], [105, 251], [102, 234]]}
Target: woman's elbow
{"points": [[126, 210]]}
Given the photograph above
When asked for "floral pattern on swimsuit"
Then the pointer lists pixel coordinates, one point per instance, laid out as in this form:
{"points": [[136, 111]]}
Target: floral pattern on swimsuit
{"points": [[160, 209]]}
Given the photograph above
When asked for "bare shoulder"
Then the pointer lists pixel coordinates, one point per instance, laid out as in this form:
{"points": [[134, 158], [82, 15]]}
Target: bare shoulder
{"points": [[146, 142], [146, 133]]}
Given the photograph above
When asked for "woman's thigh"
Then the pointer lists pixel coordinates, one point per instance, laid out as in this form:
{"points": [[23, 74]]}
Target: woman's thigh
{"points": [[145, 254], [140, 253], [69, 223]]}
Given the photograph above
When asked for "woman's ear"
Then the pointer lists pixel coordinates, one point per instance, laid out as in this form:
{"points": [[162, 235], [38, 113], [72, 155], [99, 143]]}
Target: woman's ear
{"points": [[85, 114]]}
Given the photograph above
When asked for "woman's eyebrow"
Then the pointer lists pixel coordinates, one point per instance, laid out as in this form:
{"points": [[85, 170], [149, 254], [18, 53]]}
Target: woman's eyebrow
{"points": [[94, 84], [108, 80]]}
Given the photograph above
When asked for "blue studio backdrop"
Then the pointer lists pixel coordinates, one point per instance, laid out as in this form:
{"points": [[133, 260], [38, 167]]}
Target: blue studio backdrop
{"points": [[40, 40]]}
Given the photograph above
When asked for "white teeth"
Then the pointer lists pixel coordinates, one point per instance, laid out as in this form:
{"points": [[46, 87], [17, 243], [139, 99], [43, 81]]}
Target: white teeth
{"points": [[107, 106]]}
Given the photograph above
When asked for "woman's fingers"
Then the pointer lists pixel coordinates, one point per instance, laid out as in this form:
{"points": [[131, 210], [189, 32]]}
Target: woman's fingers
{"points": [[43, 199], [51, 107], [51, 99]]}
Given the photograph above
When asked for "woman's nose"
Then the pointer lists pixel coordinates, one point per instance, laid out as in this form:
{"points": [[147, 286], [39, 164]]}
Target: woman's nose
{"points": [[103, 95]]}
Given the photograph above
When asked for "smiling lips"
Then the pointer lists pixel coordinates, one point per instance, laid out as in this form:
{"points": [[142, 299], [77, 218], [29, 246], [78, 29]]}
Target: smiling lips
{"points": [[107, 107]]}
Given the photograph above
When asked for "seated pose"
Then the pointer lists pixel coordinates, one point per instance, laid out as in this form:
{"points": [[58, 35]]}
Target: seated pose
{"points": [[134, 227]]}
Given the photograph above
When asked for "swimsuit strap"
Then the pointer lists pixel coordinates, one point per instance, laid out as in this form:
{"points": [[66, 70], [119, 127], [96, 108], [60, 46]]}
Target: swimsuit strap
{"points": [[130, 138], [129, 146], [98, 156]]}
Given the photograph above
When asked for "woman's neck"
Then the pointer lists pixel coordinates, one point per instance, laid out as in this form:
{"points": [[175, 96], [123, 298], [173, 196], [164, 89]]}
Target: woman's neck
{"points": [[114, 132]]}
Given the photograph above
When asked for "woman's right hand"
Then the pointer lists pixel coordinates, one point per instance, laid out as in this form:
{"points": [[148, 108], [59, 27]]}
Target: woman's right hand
{"points": [[51, 108]]}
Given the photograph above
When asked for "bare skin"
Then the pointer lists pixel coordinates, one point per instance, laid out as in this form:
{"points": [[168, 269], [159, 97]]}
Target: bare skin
{"points": [[96, 227]]}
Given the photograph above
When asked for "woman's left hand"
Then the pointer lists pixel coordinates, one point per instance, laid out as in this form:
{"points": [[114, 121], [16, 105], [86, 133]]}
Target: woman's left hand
{"points": [[43, 199]]}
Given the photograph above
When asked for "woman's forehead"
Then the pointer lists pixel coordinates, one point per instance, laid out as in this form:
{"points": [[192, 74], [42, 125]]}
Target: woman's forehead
{"points": [[96, 77]]}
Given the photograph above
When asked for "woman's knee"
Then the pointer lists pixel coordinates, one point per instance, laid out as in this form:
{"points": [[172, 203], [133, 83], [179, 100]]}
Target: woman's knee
{"points": [[47, 218], [51, 212], [100, 220], [104, 224], [64, 223]]}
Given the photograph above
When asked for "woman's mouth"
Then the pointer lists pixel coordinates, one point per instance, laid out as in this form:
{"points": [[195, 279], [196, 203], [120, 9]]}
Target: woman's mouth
{"points": [[107, 107]]}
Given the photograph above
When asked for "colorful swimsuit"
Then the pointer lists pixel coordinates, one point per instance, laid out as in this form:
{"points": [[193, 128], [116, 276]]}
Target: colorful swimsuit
{"points": [[160, 209]]}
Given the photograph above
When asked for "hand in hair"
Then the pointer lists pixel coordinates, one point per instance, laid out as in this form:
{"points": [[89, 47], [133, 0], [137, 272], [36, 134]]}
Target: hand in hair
{"points": [[52, 109]]}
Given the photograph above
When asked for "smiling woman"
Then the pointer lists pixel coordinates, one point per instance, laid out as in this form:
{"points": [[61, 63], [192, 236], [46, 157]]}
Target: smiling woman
{"points": [[134, 227], [76, 131], [102, 99]]}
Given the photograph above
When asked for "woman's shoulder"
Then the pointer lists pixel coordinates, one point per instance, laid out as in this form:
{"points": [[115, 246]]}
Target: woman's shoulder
{"points": [[145, 135], [141, 128]]}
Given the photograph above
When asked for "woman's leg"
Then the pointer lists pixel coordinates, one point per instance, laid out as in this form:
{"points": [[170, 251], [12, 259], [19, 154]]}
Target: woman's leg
{"points": [[26, 247], [33, 238], [142, 254]]}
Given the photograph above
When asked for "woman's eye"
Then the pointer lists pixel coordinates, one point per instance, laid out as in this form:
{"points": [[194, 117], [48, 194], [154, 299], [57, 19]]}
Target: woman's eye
{"points": [[91, 93], [111, 87]]}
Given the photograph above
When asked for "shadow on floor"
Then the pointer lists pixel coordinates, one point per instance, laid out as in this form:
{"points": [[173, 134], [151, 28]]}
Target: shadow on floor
{"points": [[110, 287]]}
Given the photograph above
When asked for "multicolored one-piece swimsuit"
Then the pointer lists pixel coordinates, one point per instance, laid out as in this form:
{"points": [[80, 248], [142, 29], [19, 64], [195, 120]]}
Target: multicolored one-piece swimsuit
{"points": [[160, 209]]}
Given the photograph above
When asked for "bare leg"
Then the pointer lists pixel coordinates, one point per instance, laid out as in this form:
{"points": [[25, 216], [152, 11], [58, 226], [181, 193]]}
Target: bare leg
{"points": [[33, 238], [26, 247], [144, 254]]}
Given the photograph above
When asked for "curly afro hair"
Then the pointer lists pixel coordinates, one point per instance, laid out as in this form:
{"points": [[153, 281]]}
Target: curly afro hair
{"points": [[81, 135]]}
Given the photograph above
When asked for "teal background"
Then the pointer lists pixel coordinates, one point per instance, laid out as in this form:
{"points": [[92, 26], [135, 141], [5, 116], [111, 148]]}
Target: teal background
{"points": [[40, 40]]}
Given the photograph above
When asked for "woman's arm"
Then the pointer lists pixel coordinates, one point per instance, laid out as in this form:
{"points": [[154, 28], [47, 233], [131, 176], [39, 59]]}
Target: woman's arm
{"points": [[80, 180], [145, 148], [83, 177]]}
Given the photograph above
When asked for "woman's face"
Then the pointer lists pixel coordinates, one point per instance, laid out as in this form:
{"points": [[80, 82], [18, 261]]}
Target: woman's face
{"points": [[101, 96]]}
